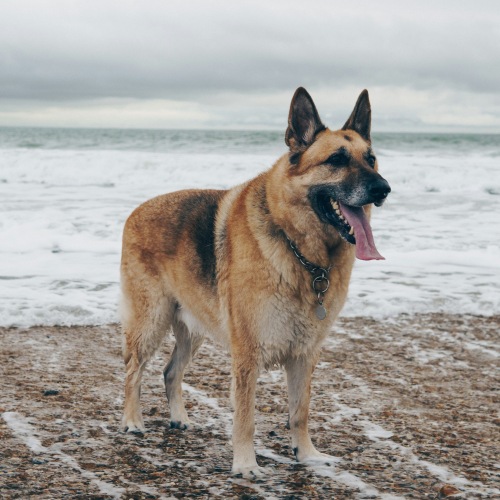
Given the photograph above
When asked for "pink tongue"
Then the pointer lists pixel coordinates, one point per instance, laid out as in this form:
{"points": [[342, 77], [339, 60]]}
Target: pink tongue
{"points": [[365, 246]]}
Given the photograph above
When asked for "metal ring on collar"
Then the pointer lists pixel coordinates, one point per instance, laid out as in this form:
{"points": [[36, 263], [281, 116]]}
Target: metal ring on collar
{"points": [[316, 284]]}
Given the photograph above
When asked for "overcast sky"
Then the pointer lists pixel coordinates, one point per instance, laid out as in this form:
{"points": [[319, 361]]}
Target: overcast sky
{"points": [[428, 65]]}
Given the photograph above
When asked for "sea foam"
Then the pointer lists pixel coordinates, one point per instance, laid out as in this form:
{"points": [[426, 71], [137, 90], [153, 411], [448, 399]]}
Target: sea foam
{"points": [[63, 209]]}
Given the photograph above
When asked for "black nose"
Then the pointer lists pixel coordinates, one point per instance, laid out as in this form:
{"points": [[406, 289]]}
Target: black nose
{"points": [[379, 189]]}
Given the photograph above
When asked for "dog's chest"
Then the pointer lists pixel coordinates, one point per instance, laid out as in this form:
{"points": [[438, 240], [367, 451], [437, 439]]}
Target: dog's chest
{"points": [[289, 330]]}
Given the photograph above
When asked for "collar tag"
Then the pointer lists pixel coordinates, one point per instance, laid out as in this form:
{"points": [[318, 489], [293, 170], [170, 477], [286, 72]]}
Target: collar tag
{"points": [[320, 281]]}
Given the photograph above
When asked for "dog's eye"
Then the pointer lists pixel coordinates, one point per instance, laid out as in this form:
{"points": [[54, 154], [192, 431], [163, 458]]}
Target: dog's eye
{"points": [[338, 159], [371, 161]]}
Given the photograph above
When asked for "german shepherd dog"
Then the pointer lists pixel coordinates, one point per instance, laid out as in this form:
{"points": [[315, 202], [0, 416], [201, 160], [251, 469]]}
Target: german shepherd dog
{"points": [[263, 267]]}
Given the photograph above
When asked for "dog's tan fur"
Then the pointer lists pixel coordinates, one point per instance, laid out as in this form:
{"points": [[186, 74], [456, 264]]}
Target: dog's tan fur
{"points": [[218, 262]]}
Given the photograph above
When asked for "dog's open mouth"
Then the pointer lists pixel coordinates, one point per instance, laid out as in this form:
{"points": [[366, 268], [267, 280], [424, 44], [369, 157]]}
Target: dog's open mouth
{"points": [[351, 223]]}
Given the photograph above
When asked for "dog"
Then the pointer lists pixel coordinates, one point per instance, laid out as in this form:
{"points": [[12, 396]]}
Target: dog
{"points": [[263, 267]]}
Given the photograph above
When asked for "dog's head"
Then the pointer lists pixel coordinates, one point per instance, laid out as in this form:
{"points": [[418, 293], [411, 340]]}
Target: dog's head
{"points": [[338, 169]]}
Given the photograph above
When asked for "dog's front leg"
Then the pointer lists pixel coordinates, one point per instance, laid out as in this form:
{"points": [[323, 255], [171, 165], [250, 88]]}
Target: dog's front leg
{"points": [[245, 372], [299, 373]]}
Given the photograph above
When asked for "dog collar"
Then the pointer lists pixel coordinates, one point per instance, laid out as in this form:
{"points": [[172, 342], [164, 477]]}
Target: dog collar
{"points": [[320, 282]]}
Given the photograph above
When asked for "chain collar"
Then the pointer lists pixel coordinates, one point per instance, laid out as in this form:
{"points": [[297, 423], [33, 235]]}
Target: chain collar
{"points": [[320, 282]]}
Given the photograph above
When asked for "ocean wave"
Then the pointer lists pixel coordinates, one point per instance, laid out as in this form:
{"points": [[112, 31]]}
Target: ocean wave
{"points": [[63, 211]]}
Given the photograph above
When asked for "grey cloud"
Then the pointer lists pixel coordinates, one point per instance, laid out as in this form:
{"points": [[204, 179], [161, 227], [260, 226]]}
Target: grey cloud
{"points": [[237, 63], [192, 50]]}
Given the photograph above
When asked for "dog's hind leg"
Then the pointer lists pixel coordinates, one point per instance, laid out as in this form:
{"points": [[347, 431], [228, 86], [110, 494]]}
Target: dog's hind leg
{"points": [[299, 373], [144, 328], [186, 345], [132, 418]]}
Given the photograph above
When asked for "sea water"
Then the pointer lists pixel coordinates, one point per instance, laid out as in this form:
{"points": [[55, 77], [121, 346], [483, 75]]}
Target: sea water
{"points": [[66, 193]]}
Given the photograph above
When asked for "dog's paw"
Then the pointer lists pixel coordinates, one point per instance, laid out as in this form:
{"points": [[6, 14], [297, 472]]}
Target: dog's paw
{"points": [[314, 457], [253, 472], [320, 459], [176, 424], [133, 425]]}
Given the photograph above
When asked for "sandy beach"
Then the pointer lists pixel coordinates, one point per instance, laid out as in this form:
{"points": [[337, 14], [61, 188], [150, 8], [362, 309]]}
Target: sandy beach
{"points": [[407, 405]]}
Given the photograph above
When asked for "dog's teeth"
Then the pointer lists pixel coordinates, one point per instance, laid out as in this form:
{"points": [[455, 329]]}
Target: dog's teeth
{"points": [[335, 205], [351, 231], [338, 212]]}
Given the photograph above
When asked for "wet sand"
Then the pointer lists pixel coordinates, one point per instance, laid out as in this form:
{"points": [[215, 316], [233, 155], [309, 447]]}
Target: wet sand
{"points": [[407, 406]]}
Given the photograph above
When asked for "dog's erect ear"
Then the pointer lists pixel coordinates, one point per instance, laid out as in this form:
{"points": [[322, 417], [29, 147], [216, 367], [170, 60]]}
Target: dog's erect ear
{"points": [[303, 122], [361, 117]]}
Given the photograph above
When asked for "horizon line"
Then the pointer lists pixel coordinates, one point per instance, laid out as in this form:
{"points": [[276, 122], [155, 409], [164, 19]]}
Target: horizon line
{"points": [[240, 129]]}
